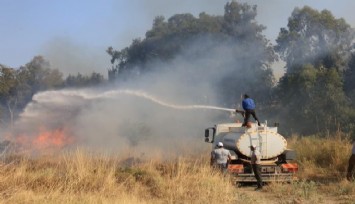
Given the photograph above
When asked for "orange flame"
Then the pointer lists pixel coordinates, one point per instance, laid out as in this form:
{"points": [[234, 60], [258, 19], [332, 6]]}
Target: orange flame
{"points": [[46, 139], [56, 138]]}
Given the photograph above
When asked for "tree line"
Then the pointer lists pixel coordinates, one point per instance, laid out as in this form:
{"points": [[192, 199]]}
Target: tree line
{"points": [[17, 86], [315, 94]]}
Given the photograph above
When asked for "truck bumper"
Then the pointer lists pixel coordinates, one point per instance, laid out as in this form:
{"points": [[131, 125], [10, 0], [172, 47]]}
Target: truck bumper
{"points": [[284, 177]]}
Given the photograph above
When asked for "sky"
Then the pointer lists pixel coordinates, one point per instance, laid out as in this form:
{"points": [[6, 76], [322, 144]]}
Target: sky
{"points": [[73, 35]]}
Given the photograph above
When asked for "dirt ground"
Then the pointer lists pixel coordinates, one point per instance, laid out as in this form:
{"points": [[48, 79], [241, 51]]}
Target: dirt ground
{"points": [[268, 196]]}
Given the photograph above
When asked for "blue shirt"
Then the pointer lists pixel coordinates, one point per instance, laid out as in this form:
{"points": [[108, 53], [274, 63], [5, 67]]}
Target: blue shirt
{"points": [[248, 104]]}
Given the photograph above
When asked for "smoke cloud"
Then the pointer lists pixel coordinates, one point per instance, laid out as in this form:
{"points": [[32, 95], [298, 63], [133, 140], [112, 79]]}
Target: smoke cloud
{"points": [[151, 113], [72, 58]]}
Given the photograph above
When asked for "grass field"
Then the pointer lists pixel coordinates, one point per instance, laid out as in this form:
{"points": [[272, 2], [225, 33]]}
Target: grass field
{"points": [[81, 176]]}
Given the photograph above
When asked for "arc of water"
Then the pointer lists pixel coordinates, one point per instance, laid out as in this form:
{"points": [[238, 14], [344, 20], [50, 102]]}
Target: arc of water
{"points": [[114, 93]]}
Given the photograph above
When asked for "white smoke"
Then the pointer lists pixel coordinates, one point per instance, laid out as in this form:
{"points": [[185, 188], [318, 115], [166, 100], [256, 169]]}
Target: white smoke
{"points": [[119, 119], [166, 109], [72, 58]]}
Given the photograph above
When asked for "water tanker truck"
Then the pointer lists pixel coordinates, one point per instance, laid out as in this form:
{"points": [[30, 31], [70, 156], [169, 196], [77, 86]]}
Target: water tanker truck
{"points": [[277, 161]]}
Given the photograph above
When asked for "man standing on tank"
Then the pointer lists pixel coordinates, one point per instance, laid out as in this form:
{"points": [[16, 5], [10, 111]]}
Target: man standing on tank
{"points": [[255, 164], [249, 108], [220, 157]]}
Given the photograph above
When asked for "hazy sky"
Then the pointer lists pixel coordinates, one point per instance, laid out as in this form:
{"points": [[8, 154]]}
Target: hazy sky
{"points": [[74, 34]]}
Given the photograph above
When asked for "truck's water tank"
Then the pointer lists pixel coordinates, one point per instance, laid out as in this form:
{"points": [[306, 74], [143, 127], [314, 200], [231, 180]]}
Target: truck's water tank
{"points": [[269, 143]]}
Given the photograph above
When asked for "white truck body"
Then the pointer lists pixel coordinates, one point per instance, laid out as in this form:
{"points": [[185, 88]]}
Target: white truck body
{"points": [[234, 137]]}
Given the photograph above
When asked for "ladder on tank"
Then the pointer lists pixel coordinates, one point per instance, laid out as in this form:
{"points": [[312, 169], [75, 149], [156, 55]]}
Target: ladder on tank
{"points": [[260, 140], [263, 140]]}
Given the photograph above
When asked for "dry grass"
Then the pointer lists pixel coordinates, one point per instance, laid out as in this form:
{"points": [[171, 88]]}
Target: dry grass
{"points": [[322, 157], [84, 177], [323, 163], [308, 191]]}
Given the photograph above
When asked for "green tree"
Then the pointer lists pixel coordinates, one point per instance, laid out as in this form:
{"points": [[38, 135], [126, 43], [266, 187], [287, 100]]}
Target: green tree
{"points": [[17, 86], [314, 37], [315, 48], [247, 70], [313, 101], [349, 79], [8, 84], [84, 81], [166, 39], [39, 76]]}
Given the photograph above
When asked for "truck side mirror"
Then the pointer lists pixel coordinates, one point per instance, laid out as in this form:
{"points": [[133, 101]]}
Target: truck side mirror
{"points": [[208, 134]]}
